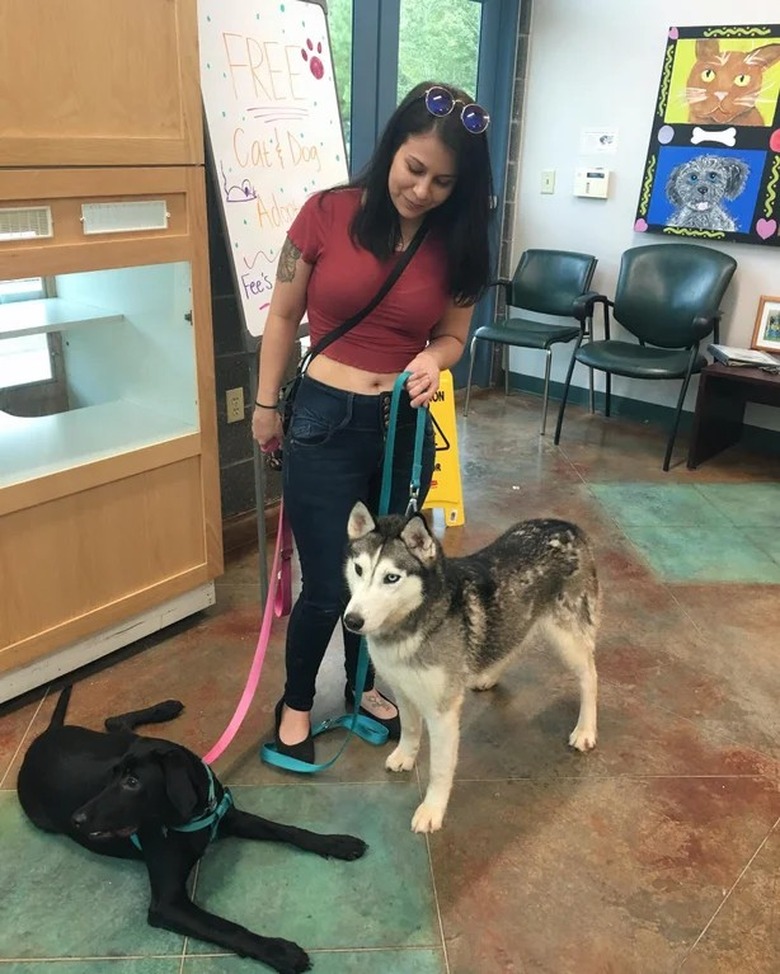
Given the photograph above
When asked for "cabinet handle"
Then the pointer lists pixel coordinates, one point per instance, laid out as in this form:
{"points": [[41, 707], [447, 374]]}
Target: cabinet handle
{"points": [[188, 317]]}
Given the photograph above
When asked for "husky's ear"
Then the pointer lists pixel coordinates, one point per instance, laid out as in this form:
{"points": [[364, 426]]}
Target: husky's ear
{"points": [[418, 539], [360, 522]]}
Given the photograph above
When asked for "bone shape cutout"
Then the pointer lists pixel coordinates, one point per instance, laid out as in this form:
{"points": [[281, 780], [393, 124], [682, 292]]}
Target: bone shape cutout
{"points": [[725, 136]]}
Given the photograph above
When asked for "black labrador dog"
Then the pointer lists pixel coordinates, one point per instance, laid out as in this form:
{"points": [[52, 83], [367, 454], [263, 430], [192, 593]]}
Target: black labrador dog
{"points": [[119, 794]]}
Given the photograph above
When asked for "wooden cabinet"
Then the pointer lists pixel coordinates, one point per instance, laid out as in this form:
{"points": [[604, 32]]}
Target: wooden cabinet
{"points": [[110, 508], [110, 523], [99, 83]]}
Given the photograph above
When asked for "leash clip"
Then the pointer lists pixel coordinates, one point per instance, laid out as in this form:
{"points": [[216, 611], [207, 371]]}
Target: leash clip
{"points": [[413, 506]]}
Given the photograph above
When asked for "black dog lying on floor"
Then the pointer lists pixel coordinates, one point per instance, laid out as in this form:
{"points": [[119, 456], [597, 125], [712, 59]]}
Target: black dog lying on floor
{"points": [[134, 797]]}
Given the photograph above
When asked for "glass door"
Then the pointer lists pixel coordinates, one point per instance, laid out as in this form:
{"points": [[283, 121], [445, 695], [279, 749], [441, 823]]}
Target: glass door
{"points": [[340, 31], [439, 40]]}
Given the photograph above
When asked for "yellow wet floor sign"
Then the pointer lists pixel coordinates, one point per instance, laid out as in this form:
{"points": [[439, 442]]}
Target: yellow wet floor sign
{"points": [[446, 491]]}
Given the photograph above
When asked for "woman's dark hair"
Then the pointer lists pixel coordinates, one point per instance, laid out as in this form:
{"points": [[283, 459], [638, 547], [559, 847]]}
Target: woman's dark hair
{"points": [[461, 222]]}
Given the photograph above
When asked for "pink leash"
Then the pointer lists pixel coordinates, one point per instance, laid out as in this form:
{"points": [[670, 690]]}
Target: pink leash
{"points": [[278, 603]]}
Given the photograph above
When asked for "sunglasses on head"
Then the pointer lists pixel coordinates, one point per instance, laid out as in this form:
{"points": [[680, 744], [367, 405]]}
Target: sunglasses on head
{"points": [[440, 102]]}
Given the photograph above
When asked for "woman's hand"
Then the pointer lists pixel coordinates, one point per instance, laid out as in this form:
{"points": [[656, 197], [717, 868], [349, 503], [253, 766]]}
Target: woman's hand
{"points": [[423, 384], [267, 428]]}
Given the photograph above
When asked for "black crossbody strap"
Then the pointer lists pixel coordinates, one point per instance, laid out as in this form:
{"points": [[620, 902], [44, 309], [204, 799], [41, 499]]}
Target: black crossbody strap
{"points": [[392, 277]]}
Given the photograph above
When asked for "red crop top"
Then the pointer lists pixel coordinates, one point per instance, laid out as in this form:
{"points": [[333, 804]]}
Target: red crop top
{"points": [[345, 277]]}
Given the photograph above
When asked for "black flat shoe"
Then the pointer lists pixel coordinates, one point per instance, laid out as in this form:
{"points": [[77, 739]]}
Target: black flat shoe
{"points": [[303, 751], [393, 724]]}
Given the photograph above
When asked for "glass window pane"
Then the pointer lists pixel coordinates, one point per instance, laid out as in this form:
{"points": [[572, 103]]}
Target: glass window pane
{"points": [[439, 41], [25, 359], [127, 366], [21, 290], [340, 27]]}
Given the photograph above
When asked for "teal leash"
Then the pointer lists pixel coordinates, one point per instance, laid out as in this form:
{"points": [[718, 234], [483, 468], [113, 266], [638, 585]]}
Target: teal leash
{"points": [[356, 723], [387, 465]]}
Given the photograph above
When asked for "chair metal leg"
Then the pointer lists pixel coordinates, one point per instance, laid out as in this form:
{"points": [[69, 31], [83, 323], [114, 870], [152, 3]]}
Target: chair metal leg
{"points": [[546, 389], [678, 411], [591, 397], [608, 397], [473, 349], [506, 370], [565, 396]]}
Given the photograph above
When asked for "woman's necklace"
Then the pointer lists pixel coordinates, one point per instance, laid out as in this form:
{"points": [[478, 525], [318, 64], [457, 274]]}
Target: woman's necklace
{"points": [[407, 236], [408, 230]]}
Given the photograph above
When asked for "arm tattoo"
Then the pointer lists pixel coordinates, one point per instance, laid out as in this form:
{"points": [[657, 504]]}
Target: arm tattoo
{"points": [[288, 258]]}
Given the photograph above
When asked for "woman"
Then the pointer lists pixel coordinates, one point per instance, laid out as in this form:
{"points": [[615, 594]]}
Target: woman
{"points": [[431, 167]]}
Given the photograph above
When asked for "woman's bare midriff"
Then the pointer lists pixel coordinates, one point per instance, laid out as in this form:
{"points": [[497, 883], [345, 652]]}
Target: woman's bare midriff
{"points": [[350, 379]]}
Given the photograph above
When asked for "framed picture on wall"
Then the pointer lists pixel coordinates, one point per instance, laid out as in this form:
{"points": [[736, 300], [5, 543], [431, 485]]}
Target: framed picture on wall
{"points": [[766, 334], [713, 163]]}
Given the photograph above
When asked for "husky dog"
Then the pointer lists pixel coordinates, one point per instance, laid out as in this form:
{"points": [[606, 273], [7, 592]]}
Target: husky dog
{"points": [[436, 626]]}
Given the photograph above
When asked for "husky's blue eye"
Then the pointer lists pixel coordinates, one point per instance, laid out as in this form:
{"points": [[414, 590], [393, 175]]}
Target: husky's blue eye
{"points": [[391, 578], [358, 569]]}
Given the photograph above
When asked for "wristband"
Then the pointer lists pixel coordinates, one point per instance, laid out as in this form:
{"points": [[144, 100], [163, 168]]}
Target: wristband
{"points": [[262, 405]]}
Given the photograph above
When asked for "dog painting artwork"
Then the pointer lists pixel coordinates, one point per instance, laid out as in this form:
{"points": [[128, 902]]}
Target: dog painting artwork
{"points": [[701, 188], [437, 627], [713, 164]]}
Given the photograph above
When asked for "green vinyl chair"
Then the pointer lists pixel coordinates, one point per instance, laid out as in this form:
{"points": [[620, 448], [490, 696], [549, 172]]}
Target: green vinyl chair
{"points": [[549, 282], [668, 299]]}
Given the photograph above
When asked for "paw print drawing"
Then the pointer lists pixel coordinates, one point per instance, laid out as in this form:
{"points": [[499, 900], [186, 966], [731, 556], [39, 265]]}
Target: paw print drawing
{"points": [[316, 66]]}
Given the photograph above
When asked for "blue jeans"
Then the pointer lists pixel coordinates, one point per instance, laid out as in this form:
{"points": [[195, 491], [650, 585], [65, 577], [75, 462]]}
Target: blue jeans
{"points": [[333, 454]]}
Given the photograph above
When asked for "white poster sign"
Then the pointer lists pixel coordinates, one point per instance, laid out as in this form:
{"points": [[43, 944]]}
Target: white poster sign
{"points": [[273, 122]]}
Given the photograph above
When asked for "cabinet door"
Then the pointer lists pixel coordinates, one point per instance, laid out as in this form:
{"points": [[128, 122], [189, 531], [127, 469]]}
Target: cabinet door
{"points": [[93, 83]]}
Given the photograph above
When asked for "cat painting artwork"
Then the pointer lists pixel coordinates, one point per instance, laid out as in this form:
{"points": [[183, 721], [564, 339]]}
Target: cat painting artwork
{"points": [[725, 85], [713, 162]]}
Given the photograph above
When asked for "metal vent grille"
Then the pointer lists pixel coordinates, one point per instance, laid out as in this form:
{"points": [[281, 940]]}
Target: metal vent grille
{"points": [[25, 222], [124, 217]]}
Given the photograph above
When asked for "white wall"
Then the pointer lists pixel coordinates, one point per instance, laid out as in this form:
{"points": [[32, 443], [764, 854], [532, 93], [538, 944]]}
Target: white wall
{"points": [[597, 63]]}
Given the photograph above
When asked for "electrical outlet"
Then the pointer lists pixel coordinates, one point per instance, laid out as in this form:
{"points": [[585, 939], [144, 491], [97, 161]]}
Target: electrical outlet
{"points": [[234, 399], [548, 181]]}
